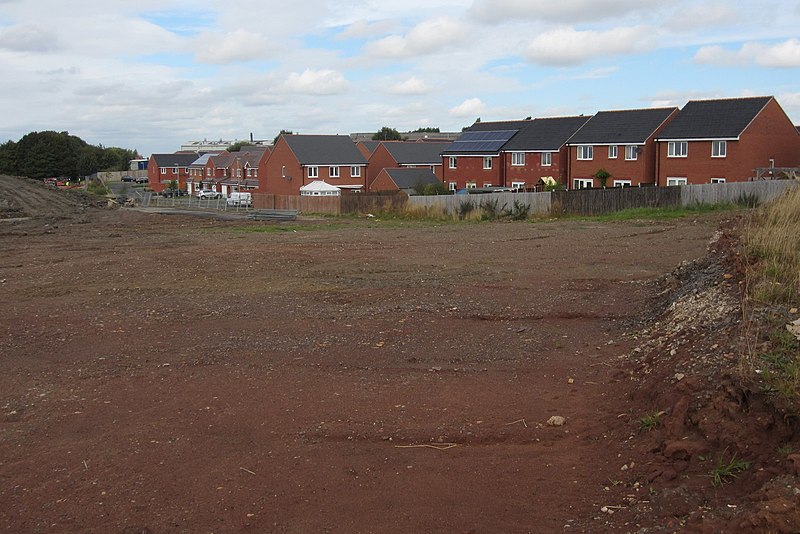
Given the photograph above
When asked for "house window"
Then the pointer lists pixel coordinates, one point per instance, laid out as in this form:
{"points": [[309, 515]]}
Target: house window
{"points": [[487, 184], [333, 172], [612, 152], [718, 180], [547, 159], [175, 170], [355, 171], [452, 186], [631, 153], [676, 181], [208, 171], [719, 149], [677, 149], [487, 162], [453, 162], [471, 185], [518, 158], [162, 170], [622, 183], [313, 172], [582, 183], [519, 186], [585, 152], [283, 171], [238, 173], [254, 173]]}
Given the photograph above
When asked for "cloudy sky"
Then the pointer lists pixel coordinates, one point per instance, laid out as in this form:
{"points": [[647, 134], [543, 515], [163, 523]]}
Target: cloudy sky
{"points": [[153, 74]]}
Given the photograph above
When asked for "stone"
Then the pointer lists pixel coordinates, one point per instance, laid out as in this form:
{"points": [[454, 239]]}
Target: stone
{"points": [[556, 420]]}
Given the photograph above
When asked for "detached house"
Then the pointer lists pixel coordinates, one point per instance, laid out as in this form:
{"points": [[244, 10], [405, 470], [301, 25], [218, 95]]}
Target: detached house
{"points": [[407, 180], [519, 154], [244, 170], [620, 142], [405, 154], [164, 168], [715, 141], [297, 160]]}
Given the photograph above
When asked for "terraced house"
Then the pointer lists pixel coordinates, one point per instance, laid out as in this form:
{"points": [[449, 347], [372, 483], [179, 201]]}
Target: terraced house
{"points": [[726, 140]]}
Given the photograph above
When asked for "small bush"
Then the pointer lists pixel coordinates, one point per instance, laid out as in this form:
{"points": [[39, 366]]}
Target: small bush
{"points": [[465, 207], [520, 211], [97, 187], [491, 210]]}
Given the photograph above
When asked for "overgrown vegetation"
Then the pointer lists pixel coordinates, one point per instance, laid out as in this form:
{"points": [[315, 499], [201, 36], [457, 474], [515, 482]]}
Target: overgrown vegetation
{"points": [[726, 470], [662, 213], [97, 187], [771, 244]]}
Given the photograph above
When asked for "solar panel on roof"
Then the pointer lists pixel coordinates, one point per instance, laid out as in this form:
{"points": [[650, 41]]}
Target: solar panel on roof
{"points": [[488, 141]]}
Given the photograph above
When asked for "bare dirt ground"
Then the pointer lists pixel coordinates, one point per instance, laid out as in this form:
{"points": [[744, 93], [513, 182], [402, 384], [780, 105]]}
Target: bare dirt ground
{"points": [[182, 374]]}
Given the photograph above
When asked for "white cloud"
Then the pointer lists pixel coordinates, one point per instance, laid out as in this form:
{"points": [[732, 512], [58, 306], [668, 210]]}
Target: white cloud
{"points": [[239, 45], [703, 15], [781, 55], [469, 108], [28, 38], [426, 38], [363, 29], [566, 11], [316, 82], [411, 86], [567, 46]]}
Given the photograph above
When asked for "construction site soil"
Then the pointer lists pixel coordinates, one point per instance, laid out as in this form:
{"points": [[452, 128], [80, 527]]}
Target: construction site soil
{"points": [[188, 374]]}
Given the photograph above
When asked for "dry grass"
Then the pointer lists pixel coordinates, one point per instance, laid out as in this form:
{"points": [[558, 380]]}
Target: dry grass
{"points": [[772, 247], [772, 259]]}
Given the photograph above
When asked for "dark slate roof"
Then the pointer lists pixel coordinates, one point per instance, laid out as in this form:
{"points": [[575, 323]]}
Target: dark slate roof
{"points": [[548, 134], [370, 145], [325, 150], [626, 127], [222, 161], [410, 178], [253, 157], [175, 160], [714, 119], [413, 153]]}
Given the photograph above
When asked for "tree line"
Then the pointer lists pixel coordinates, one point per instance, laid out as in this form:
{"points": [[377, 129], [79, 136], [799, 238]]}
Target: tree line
{"points": [[49, 154]]}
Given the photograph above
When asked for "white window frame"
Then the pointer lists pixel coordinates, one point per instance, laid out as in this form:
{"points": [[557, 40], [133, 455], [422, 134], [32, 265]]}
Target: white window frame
{"points": [[677, 149], [546, 159], [313, 171], [355, 171], [239, 173], [175, 170], [452, 186], [676, 180], [208, 171], [585, 152], [487, 163], [283, 171], [631, 152], [487, 184], [613, 151], [453, 163], [623, 183], [582, 183], [518, 159], [471, 185], [333, 171], [162, 170], [718, 180], [519, 186], [719, 149]]}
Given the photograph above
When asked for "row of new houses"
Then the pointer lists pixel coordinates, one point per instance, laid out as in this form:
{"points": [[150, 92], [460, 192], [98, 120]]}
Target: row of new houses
{"points": [[707, 141]]}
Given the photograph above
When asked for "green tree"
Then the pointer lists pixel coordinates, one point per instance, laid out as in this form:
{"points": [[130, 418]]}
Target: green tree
{"points": [[387, 134], [239, 145], [282, 132], [8, 158], [602, 175], [426, 130]]}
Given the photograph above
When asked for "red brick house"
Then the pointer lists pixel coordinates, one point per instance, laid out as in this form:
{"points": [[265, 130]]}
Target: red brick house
{"points": [[620, 142], [403, 179], [405, 154], [714, 141], [164, 168], [197, 172], [297, 160], [518, 154], [367, 147], [244, 169]]}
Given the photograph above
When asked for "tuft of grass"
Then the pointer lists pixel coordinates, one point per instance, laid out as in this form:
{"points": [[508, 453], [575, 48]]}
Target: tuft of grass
{"points": [[650, 422], [662, 213], [725, 471], [785, 450]]}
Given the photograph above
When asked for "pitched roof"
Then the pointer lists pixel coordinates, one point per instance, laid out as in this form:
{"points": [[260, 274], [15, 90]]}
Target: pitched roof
{"points": [[714, 119], [410, 178], [413, 153], [548, 134], [370, 145], [626, 127], [222, 160], [174, 160], [202, 160], [324, 149], [253, 157], [319, 185]]}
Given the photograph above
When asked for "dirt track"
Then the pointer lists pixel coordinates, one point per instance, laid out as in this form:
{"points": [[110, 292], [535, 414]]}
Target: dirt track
{"points": [[177, 374]]}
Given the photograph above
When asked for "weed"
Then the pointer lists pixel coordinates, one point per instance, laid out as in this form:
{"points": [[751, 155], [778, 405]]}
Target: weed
{"points": [[465, 207], [725, 471], [748, 200], [520, 211], [785, 450], [491, 210], [650, 422]]}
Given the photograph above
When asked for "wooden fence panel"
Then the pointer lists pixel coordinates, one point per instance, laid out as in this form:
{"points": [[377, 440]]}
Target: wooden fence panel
{"points": [[603, 201], [730, 193], [539, 203], [361, 203]]}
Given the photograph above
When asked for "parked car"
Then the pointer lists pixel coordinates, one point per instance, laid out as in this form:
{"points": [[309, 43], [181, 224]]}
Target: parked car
{"points": [[241, 199], [127, 178], [141, 180], [208, 193]]}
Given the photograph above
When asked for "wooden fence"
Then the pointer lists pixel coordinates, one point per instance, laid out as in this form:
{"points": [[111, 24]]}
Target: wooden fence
{"points": [[729, 193], [538, 203], [602, 201]]}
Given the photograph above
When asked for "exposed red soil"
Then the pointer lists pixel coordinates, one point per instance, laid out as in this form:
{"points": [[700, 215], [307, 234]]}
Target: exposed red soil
{"points": [[178, 374]]}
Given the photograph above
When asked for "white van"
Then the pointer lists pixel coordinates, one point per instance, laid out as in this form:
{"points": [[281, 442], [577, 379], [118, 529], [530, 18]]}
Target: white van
{"points": [[239, 198]]}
